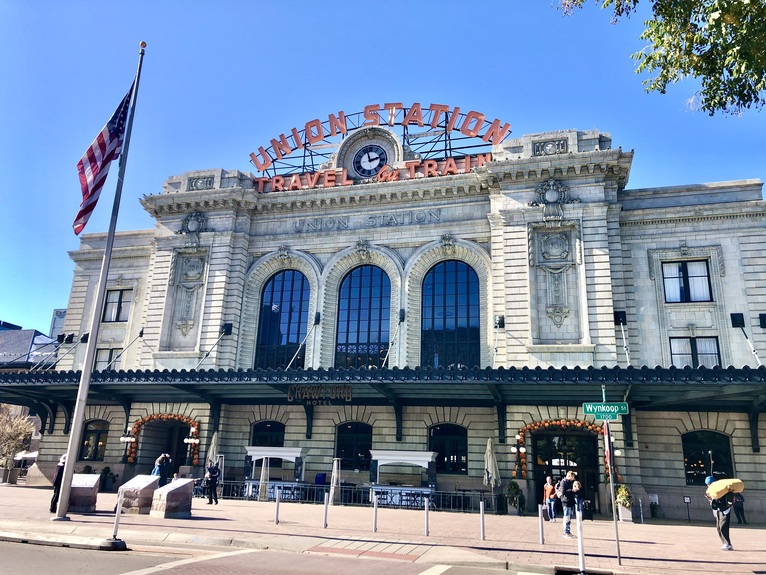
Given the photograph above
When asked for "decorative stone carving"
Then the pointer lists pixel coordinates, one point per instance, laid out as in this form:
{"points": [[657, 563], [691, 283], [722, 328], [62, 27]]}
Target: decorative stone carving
{"points": [[363, 249], [554, 246], [284, 254], [448, 243], [193, 225], [552, 195], [558, 315]]}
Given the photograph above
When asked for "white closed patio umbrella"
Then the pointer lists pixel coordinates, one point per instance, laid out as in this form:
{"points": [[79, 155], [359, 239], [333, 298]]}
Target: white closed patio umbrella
{"points": [[491, 470], [335, 482], [263, 485]]}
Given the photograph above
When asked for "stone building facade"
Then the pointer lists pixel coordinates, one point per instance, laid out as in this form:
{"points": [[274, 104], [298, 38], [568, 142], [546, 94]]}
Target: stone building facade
{"points": [[500, 295]]}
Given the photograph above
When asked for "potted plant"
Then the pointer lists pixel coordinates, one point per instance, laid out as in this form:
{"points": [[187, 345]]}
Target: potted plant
{"points": [[624, 502]]}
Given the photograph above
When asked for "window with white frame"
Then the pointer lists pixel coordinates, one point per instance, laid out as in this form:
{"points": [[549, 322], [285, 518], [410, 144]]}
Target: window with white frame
{"points": [[117, 306], [105, 357], [694, 351], [686, 281]]}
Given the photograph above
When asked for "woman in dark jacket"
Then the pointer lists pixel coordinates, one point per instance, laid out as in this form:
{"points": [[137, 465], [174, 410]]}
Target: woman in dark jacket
{"points": [[57, 477]]}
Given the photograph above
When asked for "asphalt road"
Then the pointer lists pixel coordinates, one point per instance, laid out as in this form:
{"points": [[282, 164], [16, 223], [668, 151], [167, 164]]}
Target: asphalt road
{"points": [[23, 559]]}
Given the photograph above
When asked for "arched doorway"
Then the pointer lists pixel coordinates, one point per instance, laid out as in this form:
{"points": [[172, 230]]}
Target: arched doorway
{"points": [[163, 433], [569, 446]]}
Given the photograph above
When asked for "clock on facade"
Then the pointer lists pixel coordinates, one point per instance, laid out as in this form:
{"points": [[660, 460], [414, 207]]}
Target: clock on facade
{"points": [[366, 153], [369, 160]]}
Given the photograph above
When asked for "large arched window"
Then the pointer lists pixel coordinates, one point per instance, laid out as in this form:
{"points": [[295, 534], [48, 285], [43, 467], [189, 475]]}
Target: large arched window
{"points": [[364, 312], [354, 441], [450, 442], [269, 434], [94, 440], [450, 334], [283, 320], [706, 453]]}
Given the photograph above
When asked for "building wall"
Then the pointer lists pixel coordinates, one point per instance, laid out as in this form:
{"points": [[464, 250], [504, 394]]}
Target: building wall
{"points": [[559, 244]]}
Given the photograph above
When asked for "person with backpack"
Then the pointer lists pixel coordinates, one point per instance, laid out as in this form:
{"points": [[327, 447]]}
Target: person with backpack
{"points": [[565, 492], [722, 512], [549, 498]]}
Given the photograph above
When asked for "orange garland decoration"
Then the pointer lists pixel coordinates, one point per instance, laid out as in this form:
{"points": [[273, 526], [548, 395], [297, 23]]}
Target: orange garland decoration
{"points": [[575, 424], [193, 448]]}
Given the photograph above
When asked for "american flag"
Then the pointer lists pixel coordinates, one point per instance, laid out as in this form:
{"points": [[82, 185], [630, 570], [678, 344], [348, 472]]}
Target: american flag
{"points": [[93, 167]]}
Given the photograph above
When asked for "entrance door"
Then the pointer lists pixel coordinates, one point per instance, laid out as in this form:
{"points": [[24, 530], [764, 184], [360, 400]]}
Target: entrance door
{"points": [[556, 452]]}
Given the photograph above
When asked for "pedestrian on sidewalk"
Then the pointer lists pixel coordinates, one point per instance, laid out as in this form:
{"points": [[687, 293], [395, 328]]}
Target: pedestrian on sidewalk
{"points": [[549, 498], [577, 490], [57, 477], [722, 513], [211, 481], [739, 508], [566, 494]]}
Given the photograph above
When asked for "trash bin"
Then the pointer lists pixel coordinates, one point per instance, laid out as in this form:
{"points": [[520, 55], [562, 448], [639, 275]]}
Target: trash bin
{"points": [[501, 504]]}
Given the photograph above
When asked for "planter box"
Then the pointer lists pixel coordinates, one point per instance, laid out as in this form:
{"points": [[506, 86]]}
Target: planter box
{"points": [[625, 514]]}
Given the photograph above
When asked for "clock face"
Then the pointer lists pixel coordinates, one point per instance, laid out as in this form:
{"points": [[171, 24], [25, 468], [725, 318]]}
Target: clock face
{"points": [[369, 160]]}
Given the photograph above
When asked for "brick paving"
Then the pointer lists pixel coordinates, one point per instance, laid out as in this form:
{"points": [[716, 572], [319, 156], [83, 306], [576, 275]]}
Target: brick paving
{"points": [[454, 538]]}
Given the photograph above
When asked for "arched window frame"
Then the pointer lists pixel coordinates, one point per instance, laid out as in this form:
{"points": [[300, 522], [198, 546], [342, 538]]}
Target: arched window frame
{"points": [[94, 440], [353, 442], [295, 321], [439, 285], [450, 442], [268, 433], [363, 320], [699, 447]]}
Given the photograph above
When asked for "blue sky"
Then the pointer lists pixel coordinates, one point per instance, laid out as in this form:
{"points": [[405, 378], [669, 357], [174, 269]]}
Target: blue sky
{"points": [[222, 78]]}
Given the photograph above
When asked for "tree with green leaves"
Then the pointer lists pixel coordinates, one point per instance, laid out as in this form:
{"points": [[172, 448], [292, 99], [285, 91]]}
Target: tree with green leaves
{"points": [[14, 431], [720, 42]]}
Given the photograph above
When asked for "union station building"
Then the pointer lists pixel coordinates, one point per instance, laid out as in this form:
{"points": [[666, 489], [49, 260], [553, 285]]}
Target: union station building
{"points": [[392, 289]]}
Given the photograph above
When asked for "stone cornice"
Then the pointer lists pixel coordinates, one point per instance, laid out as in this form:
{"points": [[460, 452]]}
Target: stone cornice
{"points": [[614, 163]]}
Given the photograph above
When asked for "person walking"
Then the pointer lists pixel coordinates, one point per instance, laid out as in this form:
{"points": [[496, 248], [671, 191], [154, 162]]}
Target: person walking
{"points": [[577, 490], [567, 496], [722, 513], [165, 465], [211, 479], [549, 498], [57, 477], [739, 508]]}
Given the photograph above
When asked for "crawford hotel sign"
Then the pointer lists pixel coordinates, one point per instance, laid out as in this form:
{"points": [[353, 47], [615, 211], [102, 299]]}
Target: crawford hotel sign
{"points": [[346, 149]]}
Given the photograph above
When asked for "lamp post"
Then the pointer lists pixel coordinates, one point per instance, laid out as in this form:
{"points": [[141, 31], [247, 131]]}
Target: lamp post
{"points": [[191, 441], [128, 439]]}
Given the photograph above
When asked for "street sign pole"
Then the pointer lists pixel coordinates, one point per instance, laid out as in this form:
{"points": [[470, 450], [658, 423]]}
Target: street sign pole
{"points": [[609, 455]]}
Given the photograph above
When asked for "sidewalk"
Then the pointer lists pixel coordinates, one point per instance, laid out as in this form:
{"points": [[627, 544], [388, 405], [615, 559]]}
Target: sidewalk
{"points": [[511, 542]]}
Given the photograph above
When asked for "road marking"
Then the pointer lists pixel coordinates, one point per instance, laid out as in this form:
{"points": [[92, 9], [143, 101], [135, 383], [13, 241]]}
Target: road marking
{"points": [[165, 566], [435, 570]]}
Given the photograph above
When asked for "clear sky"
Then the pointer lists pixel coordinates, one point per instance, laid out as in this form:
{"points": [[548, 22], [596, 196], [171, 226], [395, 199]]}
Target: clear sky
{"points": [[222, 78]]}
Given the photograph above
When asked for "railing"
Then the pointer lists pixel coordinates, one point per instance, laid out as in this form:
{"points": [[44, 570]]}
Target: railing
{"points": [[462, 500]]}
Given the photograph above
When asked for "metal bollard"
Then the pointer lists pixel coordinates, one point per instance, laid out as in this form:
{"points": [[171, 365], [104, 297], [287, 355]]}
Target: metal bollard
{"points": [[326, 505], [426, 504], [118, 512], [540, 523], [277, 491], [481, 515], [374, 512]]}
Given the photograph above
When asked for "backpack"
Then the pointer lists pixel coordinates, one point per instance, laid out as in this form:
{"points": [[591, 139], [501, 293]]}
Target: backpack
{"points": [[559, 490]]}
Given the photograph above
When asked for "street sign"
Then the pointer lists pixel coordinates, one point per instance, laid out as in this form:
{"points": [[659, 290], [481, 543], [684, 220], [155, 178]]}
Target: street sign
{"points": [[606, 411], [605, 416]]}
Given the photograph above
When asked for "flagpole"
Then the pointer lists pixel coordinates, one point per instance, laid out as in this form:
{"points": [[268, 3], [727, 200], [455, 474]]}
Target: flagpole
{"points": [[75, 432]]}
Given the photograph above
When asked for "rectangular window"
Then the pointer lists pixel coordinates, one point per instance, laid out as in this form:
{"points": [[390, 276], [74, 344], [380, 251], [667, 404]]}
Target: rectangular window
{"points": [[686, 281], [694, 351], [104, 357], [117, 306]]}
